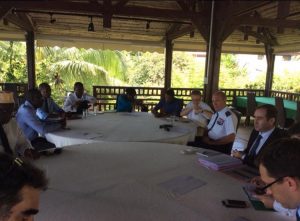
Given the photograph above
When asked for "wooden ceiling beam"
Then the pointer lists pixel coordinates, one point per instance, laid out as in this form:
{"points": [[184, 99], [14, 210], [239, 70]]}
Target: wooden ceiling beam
{"points": [[90, 8], [107, 13], [20, 22], [201, 22], [4, 11], [246, 7], [267, 22], [180, 32], [283, 10], [120, 5]]}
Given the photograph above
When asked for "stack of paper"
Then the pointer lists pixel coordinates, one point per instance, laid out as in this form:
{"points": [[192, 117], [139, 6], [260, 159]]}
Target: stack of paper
{"points": [[218, 161]]}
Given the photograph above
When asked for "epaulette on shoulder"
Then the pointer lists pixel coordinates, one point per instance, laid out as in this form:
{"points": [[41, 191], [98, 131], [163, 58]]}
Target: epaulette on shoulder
{"points": [[227, 113]]}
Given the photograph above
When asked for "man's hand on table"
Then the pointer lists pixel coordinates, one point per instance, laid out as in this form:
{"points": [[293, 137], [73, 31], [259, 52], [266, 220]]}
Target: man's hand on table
{"points": [[237, 154]]}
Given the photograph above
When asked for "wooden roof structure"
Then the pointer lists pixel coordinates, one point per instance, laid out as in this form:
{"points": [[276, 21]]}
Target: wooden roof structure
{"points": [[144, 25]]}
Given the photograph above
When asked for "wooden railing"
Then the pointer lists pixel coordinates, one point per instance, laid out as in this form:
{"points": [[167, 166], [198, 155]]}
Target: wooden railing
{"points": [[107, 95], [286, 95]]}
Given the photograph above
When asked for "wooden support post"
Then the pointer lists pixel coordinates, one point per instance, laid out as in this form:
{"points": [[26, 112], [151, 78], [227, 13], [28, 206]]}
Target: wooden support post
{"points": [[30, 51], [270, 69], [213, 62], [168, 63]]}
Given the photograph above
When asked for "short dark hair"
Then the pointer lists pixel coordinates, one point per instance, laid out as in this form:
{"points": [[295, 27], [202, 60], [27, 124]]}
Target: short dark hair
{"points": [[170, 92], [14, 175], [78, 84], [196, 92], [44, 85], [294, 129], [282, 158], [130, 91], [271, 111], [32, 94], [221, 94]]}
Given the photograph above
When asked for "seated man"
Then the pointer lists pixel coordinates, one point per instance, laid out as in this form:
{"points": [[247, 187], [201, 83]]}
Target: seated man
{"points": [[126, 102], [78, 101], [197, 110], [221, 130], [20, 188], [279, 167], [12, 139], [30, 124], [264, 132], [49, 107], [168, 106]]}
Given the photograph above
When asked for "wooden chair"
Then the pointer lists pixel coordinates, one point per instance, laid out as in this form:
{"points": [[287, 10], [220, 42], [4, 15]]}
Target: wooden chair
{"points": [[251, 105], [238, 115], [280, 112], [297, 117]]}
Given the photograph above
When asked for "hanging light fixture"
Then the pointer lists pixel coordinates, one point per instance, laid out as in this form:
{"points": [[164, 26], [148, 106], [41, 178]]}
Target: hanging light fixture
{"points": [[148, 25], [91, 25], [52, 20]]}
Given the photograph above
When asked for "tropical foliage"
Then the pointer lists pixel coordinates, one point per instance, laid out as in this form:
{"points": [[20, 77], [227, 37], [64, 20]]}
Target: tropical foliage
{"points": [[61, 67]]}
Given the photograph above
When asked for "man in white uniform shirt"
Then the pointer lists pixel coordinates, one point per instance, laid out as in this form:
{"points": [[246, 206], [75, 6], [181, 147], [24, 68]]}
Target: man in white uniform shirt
{"points": [[77, 101], [197, 110], [12, 139], [221, 129]]}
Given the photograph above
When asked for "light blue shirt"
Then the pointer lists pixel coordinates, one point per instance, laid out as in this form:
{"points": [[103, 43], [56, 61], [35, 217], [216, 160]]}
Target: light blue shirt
{"points": [[30, 123], [52, 106]]}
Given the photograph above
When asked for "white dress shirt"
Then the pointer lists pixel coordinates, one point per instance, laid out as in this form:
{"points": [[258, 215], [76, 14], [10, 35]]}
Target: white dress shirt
{"points": [[222, 123], [72, 98], [200, 117]]}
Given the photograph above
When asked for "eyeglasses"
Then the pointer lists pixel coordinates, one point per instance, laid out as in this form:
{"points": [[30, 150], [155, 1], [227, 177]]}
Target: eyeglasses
{"points": [[262, 190]]}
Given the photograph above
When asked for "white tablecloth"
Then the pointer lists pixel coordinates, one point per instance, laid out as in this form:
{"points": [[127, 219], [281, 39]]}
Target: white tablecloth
{"points": [[126, 127], [115, 181]]}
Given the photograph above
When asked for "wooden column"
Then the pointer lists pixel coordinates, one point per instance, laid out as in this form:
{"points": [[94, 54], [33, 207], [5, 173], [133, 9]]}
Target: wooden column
{"points": [[213, 57], [270, 69], [168, 63], [30, 51]]}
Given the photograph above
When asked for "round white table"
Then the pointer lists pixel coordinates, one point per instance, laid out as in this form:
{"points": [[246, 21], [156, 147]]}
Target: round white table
{"points": [[125, 127], [116, 181]]}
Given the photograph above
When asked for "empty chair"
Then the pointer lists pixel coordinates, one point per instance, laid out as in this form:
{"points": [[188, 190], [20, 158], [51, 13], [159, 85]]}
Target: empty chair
{"points": [[251, 105], [238, 115]]}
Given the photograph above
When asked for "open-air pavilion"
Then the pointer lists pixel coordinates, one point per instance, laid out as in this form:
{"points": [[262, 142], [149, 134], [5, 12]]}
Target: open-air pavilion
{"points": [[252, 27], [116, 169]]}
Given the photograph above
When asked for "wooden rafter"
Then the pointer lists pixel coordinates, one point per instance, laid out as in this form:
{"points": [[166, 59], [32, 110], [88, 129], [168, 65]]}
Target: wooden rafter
{"points": [[89, 8], [107, 13], [201, 22], [268, 22], [20, 21], [180, 32], [283, 10], [4, 11], [120, 5]]}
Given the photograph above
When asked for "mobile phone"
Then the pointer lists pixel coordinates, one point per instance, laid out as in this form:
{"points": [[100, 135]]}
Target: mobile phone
{"points": [[235, 203]]}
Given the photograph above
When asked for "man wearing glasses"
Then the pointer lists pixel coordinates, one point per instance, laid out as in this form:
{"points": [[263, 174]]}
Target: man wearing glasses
{"points": [[279, 167], [20, 186]]}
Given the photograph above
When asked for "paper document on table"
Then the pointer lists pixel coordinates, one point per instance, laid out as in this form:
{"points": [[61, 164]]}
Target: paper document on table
{"points": [[219, 162], [182, 184], [244, 173]]}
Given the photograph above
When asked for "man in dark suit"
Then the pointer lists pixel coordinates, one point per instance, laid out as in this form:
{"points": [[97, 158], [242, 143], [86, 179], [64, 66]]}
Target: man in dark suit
{"points": [[264, 133]]}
